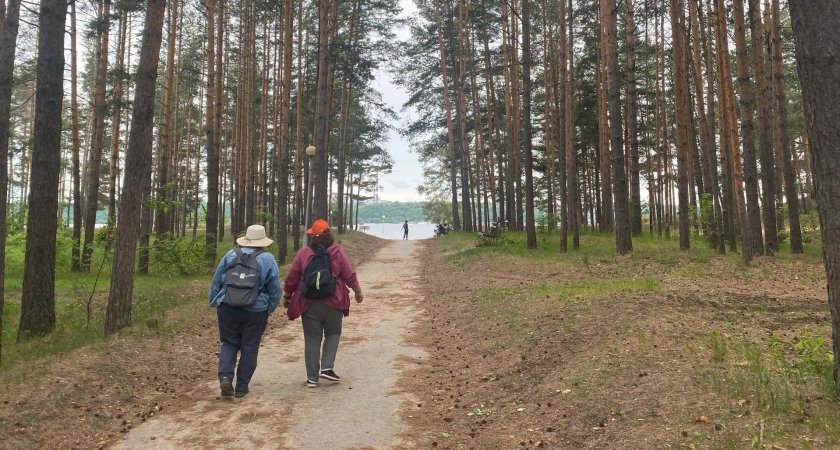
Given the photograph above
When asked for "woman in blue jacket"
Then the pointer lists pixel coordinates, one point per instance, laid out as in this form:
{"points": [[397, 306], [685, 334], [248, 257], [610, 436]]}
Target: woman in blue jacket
{"points": [[241, 327]]}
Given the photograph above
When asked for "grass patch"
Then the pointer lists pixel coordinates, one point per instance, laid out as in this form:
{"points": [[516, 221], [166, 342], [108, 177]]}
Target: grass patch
{"points": [[154, 298], [789, 385], [519, 302]]}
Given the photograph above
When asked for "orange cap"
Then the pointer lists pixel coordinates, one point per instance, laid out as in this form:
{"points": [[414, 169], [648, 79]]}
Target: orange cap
{"points": [[318, 228]]}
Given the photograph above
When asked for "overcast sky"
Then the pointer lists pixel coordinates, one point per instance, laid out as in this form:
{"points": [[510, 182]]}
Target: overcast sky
{"points": [[401, 184]]}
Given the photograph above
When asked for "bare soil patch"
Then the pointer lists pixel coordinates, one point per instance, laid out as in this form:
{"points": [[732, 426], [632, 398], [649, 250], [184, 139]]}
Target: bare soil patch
{"points": [[616, 352]]}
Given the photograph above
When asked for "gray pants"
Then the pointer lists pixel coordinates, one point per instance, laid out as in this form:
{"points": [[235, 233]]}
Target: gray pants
{"points": [[320, 322]]}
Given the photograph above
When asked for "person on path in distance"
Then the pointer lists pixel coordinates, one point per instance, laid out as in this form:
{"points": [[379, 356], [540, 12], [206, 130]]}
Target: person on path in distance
{"points": [[405, 231], [321, 317], [245, 291]]}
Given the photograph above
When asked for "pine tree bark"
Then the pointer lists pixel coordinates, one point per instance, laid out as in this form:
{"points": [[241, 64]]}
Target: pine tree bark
{"points": [[139, 158], [116, 118], [299, 189], [76, 252], [746, 108], [345, 107], [633, 124], [765, 130], [97, 143], [683, 115], [623, 240], [453, 183], [9, 25], [783, 143], [559, 89], [212, 212], [461, 113], [530, 226], [815, 24], [573, 201], [320, 171], [164, 192], [37, 304], [606, 218], [285, 133], [730, 137]]}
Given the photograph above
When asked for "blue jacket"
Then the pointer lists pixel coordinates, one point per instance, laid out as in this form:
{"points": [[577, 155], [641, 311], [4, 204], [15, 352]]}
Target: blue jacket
{"points": [[269, 296]]}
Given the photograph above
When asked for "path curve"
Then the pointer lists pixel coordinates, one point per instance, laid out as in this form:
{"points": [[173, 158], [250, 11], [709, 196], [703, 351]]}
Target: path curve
{"points": [[362, 411]]}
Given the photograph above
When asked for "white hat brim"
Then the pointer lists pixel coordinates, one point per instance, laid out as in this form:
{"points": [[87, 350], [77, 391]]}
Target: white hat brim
{"points": [[245, 242]]}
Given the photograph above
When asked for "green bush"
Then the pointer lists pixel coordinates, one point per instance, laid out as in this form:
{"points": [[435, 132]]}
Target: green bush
{"points": [[181, 256]]}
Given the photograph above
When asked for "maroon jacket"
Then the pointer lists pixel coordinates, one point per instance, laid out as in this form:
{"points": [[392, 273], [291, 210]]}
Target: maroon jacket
{"points": [[342, 270]]}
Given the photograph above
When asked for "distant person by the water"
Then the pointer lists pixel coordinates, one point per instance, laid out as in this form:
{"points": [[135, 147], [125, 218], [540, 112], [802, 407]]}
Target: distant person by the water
{"points": [[317, 290], [405, 231]]}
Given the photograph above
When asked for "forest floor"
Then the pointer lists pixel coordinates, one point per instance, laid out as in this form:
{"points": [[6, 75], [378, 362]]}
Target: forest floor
{"points": [[488, 347]]}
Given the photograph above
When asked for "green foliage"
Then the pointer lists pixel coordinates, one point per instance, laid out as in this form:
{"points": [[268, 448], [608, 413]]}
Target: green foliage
{"points": [[394, 212], [766, 372], [184, 256], [436, 211], [547, 227], [16, 218], [717, 344]]}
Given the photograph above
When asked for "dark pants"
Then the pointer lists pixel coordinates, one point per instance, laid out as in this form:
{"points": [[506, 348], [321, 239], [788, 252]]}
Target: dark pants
{"points": [[240, 332], [320, 322]]}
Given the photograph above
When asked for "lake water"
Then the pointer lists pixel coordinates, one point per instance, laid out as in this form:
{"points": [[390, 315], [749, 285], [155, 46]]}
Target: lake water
{"points": [[419, 230]]}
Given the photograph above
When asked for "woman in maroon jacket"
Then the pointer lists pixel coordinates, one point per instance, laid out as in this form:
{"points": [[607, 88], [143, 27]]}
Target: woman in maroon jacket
{"points": [[321, 318]]}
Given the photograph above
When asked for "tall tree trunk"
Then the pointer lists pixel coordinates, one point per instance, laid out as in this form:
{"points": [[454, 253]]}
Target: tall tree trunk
{"points": [[76, 252], [212, 212], [783, 143], [720, 218], [496, 191], [345, 107], [164, 193], [633, 125], [115, 132], [299, 189], [729, 147], [95, 157], [139, 158], [703, 133], [530, 228], [559, 90], [747, 131], [285, 133], [623, 240], [453, 183], [461, 113], [762, 89], [683, 115], [815, 24], [320, 204], [37, 304], [9, 22], [606, 216], [573, 200]]}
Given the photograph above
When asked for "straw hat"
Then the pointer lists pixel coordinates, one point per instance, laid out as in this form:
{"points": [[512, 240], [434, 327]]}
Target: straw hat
{"points": [[254, 237], [318, 228]]}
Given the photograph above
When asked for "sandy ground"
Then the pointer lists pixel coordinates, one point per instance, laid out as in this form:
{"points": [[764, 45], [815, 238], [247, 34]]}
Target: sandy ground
{"points": [[362, 411]]}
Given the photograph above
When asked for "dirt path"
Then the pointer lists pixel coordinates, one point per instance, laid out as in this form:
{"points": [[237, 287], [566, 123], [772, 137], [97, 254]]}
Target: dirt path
{"points": [[280, 412]]}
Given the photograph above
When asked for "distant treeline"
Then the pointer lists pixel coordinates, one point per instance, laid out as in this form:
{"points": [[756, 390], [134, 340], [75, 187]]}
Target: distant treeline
{"points": [[394, 212]]}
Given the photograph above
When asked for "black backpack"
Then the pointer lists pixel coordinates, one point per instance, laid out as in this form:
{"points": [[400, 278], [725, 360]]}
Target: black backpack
{"points": [[318, 281], [242, 279]]}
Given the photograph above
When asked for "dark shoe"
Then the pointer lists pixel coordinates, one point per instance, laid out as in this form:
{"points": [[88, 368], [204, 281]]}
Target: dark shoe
{"points": [[241, 391], [311, 384], [329, 374], [227, 387]]}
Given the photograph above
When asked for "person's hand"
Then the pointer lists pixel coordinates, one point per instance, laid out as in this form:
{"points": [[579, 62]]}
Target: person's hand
{"points": [[359, 296], [286, 303]]}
